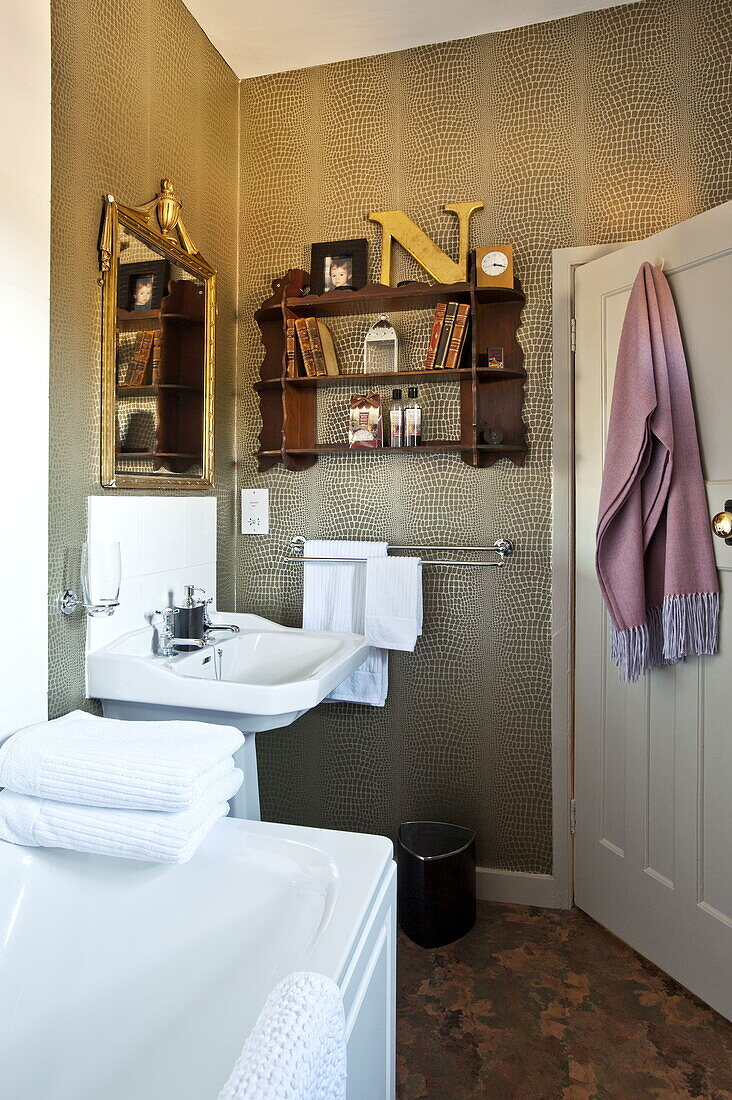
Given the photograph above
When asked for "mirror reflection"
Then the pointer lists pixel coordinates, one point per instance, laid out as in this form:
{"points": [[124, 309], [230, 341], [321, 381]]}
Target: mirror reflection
{"points": [[160, 363]]}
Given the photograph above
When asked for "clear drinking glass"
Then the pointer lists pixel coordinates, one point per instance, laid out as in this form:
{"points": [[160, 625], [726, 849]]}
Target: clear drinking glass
{"points": [[101, 575]]}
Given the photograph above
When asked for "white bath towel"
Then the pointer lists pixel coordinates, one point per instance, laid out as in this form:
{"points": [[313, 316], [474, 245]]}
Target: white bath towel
{"points": [[334, 598], [90, 761], [132, 834], [394, 606], [297, 1048]]}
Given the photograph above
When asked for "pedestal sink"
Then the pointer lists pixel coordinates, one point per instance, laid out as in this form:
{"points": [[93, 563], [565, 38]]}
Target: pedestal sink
{"points": [[262, 678]]}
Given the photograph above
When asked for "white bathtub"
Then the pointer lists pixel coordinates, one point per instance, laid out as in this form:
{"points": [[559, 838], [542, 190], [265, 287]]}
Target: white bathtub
{"points": [[130, 981]]}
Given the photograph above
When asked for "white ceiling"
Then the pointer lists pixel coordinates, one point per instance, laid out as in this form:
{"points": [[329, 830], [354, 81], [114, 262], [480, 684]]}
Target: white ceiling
{"points": [[270, 36]]}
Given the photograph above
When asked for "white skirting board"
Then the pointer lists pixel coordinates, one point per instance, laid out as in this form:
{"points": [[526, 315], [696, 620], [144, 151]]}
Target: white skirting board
{"points": [[517, 888]]}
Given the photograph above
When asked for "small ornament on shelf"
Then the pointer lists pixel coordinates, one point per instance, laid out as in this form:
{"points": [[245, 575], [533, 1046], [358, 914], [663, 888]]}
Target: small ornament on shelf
{"points": [[365, 429], [381, 348]]}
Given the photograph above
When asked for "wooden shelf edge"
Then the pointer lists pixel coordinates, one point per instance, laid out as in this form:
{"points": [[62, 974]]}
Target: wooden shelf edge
{"points": [[485, 374], [431, 446], [151, 391], [158, 454], [378, 298], [138, 314]]}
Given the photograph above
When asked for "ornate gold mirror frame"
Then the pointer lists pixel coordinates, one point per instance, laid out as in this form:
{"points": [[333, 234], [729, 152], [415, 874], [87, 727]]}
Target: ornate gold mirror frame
{"points": [[157, 223]]}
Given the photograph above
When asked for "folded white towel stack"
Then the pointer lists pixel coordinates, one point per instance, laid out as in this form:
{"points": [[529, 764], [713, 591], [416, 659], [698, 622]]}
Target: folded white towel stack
{"points": [[297, 1048], [393, 617], [142, 790], [92, 761]]}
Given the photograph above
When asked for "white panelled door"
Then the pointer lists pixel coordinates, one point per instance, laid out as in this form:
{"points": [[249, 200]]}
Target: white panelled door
{"points": [[653, 760]]}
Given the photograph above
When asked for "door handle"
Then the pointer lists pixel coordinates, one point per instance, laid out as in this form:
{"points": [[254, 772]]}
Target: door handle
{"points": [[722, 523]]}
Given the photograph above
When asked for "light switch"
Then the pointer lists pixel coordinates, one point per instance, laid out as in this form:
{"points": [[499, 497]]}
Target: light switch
{"points": [[255, 511]]}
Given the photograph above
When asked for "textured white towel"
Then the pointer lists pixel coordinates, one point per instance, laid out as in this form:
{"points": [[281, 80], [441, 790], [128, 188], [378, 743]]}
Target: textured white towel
{"points": [[90, 761], [297, 1048], [394, 606], [132, 834], [334, 598]]}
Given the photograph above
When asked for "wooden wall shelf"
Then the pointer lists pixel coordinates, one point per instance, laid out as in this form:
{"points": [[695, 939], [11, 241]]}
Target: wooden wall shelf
{"points": [[487, 397]]}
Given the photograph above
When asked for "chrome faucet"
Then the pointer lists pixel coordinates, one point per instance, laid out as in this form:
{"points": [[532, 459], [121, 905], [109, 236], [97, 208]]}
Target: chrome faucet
{"points": [[210, 627]]}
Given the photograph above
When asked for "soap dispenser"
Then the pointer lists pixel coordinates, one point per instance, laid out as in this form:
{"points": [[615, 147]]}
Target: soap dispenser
{"points": [[190, 622]]}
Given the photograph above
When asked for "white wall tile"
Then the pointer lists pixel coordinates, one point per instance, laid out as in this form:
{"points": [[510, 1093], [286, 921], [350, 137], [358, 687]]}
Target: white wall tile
{"points": [[119, 519], [161, 590], [160, 539], [163, 533], [200, 530]]}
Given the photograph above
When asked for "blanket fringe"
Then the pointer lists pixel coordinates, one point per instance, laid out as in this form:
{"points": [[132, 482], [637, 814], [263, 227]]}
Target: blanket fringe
{"points": [[681, 627]]}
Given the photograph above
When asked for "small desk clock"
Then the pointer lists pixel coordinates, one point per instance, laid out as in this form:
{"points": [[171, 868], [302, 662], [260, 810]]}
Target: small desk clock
{"points": [[494, 266]]}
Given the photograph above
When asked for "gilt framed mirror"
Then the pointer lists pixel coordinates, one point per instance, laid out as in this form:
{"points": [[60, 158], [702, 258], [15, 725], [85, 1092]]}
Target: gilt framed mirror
{"points": [[158, 349]]}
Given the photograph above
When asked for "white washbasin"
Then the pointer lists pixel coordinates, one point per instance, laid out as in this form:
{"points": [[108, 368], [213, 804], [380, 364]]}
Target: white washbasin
{"points": [[262, 678]]}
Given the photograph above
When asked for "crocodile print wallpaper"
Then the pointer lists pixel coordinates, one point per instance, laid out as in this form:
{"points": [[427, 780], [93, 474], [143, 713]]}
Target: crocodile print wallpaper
{"points": [[603, 127], [138, 93]]}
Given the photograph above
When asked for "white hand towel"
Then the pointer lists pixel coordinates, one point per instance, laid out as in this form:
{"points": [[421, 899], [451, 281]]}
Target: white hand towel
{"points": [[394, 605], [90, 761], [334, 598], [297, 1048], [132, 834]]}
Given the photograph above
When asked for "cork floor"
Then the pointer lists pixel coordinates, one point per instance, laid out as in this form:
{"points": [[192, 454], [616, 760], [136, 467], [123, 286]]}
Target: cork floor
{"points": [[536, 1004]]}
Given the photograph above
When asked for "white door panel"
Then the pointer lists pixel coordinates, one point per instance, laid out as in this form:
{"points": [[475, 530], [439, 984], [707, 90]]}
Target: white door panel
{"points": [[653, 760]]}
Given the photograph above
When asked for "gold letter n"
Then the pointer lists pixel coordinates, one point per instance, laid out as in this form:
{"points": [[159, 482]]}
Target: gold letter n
{"points": [[397, 226]]}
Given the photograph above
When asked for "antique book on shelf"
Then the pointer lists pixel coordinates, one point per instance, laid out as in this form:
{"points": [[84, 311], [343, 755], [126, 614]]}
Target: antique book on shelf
{"points": [[157, 352], [290, 349], [301, 328], [457, 340], [435, 335], [133, 360], [140, 359], [316, 345], [445, 336], [328, 349]]}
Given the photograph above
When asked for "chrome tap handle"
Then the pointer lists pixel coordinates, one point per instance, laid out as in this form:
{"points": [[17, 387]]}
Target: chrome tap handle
{"points": [[168, 616], [168, 632], [207, 624]]}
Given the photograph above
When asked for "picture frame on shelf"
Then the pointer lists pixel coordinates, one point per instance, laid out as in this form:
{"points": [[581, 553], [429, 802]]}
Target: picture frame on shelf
{"points": [[338, 265], [142, 286]]}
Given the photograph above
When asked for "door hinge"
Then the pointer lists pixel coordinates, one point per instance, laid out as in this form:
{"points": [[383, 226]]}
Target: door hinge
{"points": [[572, 817], [573, 334]]}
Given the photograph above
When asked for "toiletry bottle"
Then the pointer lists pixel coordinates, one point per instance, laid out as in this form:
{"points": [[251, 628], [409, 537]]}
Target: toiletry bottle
{"points": [[413, 419], [396, 420]]}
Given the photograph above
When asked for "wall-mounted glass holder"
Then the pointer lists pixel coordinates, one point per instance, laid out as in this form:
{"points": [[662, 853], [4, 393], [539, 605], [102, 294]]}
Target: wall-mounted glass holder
{"points": [[101, 576]]}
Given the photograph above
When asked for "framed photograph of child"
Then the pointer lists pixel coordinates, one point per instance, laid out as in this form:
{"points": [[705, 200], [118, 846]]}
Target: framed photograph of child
{"points": [[142, 286], [338, 265]]}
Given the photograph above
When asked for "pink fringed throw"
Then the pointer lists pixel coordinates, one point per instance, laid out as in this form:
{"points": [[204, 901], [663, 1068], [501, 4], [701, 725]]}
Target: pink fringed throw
{"points": [[655, 560]]}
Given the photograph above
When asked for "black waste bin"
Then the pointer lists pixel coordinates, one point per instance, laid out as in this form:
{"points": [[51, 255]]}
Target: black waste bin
{"points": [[435, 881]]}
